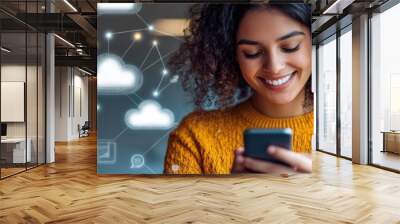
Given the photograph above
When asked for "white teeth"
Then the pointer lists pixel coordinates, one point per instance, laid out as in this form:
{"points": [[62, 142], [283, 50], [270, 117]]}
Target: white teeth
{"points": [[279, 82]]}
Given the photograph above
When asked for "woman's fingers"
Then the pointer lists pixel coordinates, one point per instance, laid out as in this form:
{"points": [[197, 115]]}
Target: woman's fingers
{"points": [[266, 167], [297, 161], [239, 151], [238, 163]]}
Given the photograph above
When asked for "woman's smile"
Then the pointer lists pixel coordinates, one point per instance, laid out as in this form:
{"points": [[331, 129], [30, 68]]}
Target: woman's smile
{"points": [[277, 84], [258, 53], [274, 59]]}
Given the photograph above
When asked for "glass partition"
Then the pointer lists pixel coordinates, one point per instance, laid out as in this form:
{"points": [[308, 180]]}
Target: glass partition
{"points": [[32, 95], [13, 105], [22, 90], [346, 93], [327, 95], [385, 89], [41, 96]]}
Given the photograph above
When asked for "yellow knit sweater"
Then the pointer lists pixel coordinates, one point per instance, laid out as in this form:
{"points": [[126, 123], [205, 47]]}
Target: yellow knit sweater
{"points": [[205, 141]]}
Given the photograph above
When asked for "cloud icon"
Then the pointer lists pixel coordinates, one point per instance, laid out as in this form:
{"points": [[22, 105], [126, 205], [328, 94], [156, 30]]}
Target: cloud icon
{"points": [[114, 77], [118, 8], [149, 115]]}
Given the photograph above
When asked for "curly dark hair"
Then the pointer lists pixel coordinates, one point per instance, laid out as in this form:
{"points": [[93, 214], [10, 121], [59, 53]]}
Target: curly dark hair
{"points": [[206, 61]]}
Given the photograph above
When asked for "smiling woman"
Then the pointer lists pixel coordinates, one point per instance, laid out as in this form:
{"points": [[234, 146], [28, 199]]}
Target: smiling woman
{"points": [[253, 63]]}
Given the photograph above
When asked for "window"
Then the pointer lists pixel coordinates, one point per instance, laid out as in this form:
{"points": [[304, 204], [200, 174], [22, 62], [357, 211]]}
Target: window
{"points": [[385, 89], [327, 95], [346, 93]]}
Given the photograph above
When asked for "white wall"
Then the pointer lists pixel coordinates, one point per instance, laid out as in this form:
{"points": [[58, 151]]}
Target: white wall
{"points": [[62, 81], [71, 94], [17, 73], [80, 110], [33, 126], [14, 73]]}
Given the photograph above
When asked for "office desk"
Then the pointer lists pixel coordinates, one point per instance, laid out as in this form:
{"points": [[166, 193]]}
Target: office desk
{"points": [[391, 141], [18, 150]]}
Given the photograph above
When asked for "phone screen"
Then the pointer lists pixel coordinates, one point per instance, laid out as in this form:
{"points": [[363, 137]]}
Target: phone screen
{"points": [[257, 141]]}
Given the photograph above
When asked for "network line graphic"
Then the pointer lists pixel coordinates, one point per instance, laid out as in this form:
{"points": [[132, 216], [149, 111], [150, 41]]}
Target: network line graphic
{"points": [[116, 77], [137, 36]]}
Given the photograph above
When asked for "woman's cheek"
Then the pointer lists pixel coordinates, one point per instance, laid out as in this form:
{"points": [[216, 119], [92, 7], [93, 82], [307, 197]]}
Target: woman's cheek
{"points": [[249, 68], [304, 59], [301, 61]]}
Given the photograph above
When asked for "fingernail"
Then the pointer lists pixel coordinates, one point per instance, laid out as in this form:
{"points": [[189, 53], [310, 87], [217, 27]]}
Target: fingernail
{"points": [[284, 175], [271, 149]]}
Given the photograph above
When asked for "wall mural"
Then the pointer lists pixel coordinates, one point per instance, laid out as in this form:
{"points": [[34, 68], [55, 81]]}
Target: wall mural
{"points": [[139, 101]]}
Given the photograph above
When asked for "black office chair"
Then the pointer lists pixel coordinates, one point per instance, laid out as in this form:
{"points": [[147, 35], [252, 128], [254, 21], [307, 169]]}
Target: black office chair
{"points": [[84, 130]]}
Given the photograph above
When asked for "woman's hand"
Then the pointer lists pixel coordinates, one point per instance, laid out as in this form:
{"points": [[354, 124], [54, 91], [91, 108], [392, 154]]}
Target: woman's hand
{"points": [[298, 162]]}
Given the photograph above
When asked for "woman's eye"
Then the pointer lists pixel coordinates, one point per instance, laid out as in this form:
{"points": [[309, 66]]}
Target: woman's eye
{"points": [[252, 55], [290, 49]]}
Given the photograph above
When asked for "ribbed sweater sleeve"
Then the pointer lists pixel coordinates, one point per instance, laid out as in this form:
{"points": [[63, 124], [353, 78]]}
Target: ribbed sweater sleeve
{"points": [[205, 141], [183, 156]]}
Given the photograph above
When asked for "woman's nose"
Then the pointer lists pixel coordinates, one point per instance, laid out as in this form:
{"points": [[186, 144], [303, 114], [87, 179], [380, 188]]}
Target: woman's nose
{"points": [[274, 63]]}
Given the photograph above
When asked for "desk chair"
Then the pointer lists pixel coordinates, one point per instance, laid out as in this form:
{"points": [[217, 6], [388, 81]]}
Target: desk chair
{"points": [[84, 130]]}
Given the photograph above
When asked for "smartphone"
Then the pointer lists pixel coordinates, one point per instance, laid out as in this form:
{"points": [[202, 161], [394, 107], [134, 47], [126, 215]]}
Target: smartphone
{"points": [[257, 140]]}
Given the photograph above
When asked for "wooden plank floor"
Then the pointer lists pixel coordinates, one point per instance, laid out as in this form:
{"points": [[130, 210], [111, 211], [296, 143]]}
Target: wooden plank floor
{"points": [[70, 191], [387, 159], [10, 171]]}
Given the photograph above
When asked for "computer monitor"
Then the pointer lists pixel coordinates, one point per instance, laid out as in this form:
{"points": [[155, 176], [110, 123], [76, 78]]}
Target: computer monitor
{"points": [[3, 129]]}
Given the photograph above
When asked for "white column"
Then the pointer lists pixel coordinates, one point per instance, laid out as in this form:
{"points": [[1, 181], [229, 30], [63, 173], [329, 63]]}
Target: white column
{"points": [[360, 90], [50, 93]]}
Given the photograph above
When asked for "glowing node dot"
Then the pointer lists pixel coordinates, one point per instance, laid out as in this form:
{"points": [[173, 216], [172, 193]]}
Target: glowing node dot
{"points": [[155, 93], [164, 71], [109, 35], [155, 43], [137, 36], [151, 27]]}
